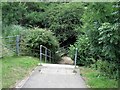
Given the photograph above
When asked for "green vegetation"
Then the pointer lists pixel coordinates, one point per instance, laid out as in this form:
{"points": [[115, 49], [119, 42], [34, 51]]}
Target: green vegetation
{"points": [[101, 38], [16, 68], [5, 50], [56, 17], [94, 80], [32, 39], [84, 56], [12, 30], [60, 20], [93, 28]]}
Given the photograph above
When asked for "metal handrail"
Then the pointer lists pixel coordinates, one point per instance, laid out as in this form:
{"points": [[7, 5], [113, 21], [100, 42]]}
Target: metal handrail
{"points": [[8, 37], [45, 54], [46, 48]]}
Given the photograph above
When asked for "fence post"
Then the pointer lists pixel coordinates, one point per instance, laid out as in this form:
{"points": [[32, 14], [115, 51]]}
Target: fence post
{"points": [[45, 55], [17, 44], [40, 54], [75, 56]]}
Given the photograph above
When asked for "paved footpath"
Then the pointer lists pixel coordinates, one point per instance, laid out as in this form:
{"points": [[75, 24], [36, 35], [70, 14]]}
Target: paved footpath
{"points": [[55, 76]]}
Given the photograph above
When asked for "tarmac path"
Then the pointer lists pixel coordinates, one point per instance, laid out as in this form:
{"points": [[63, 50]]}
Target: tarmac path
{"points": [[55, 76]]}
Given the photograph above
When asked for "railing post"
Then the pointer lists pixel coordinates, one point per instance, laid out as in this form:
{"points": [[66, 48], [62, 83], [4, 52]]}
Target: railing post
{"points": [[75, 56], [50, 57], [45, 55], [17, 44], [40, 54]]}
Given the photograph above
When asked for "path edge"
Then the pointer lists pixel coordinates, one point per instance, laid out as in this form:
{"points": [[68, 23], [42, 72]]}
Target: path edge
{"points": [[22, 82]]}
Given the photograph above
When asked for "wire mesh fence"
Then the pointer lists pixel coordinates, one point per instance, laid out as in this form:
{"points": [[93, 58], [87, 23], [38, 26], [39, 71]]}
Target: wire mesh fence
{"points": [[7, 46], [13, 45]]}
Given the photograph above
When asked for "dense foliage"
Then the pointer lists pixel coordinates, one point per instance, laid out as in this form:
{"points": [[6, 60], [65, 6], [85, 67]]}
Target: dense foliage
{"points": [[22, 13], [102, 42], [60, 20], [84, 53], [32, 39], [56, 17], [93, 28]]}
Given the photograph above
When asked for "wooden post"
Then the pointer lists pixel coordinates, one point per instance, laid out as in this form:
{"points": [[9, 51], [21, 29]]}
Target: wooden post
{"points": [[17, 44], [40, 54], [75, 57]]}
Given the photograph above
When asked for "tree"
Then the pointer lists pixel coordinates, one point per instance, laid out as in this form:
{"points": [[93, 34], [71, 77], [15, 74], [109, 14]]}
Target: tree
{"points": [[64, 20]]}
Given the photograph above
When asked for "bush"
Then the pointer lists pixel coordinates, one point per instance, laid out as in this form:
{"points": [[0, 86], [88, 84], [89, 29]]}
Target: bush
{"points": [[109, 40], [106, 68], [32, 39], [84, 55], [64, 19]]}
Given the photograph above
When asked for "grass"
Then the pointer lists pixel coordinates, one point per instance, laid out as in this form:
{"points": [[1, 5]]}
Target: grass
{"points": [[16, 68], [95, 80]]}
